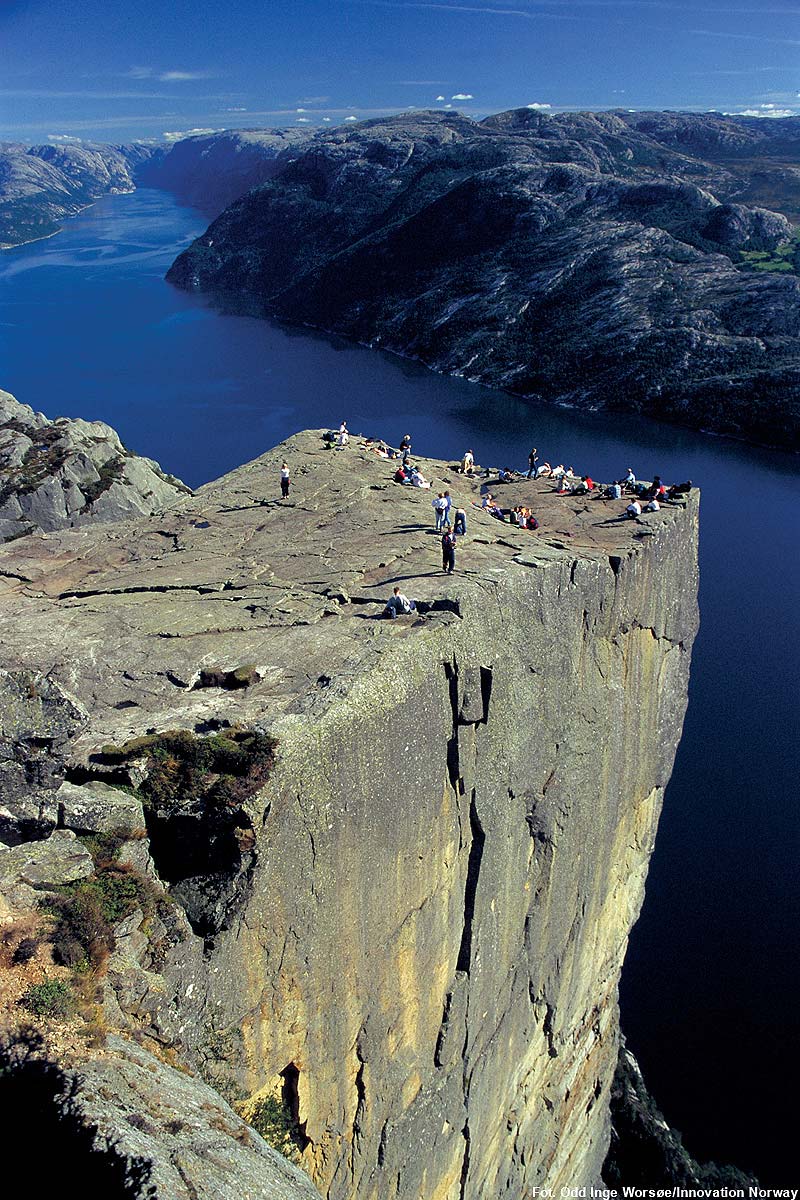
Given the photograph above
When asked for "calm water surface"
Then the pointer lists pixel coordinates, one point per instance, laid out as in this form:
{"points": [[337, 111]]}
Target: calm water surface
{"points": [[709, 994]]}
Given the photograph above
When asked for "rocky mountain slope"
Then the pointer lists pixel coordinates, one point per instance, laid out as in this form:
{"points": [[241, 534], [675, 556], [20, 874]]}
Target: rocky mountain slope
{"points": [[56, 474], [371, 878], [210, 171], [588, 259], [41, 185]]}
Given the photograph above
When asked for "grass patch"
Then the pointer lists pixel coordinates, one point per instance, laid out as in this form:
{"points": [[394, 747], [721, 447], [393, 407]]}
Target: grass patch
{"points": [[53, 998], [784, 258]]}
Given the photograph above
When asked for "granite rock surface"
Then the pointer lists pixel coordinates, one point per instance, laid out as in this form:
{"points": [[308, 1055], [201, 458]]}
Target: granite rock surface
{"points": [[71, 472], [428, 900]]}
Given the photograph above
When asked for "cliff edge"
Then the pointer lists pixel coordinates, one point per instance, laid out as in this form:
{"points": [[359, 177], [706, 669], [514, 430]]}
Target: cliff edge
{"points": [[402, 857]]}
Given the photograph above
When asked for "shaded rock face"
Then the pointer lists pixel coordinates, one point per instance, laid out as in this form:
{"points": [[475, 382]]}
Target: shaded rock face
{"points": [[212, 171], [40, 185], [129, 1126], [451, 845], [574, 258], [71, 472]]}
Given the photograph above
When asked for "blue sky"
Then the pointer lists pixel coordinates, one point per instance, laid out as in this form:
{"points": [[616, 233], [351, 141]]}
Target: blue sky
{"points": [[113, 71]]}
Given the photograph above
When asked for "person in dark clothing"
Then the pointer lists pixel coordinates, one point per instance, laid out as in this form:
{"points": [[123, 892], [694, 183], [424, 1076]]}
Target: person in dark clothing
{"points": [[448, 552], [284, 480], [460, 525], [533, 458]]}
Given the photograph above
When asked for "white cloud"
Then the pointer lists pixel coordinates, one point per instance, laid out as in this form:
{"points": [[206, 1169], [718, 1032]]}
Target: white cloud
{"points": [[463, 96], [166, 76], [314, 100], [763, 110], [351, 118], [237, 108], [62, 137], [303, 120], [448, 106], [326, 119], [184, 133], [299, 110], [539, 107]]}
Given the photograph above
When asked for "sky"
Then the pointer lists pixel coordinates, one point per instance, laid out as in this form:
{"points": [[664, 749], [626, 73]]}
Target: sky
{"points": [[112, 70]]}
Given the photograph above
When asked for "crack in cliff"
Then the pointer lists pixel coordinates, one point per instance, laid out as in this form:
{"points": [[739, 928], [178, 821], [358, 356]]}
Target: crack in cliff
{"points": [[476, 849]]}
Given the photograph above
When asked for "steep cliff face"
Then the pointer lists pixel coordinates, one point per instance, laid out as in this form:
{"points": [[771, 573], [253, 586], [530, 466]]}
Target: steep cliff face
{"points": [[427, 917], [572, 258]]}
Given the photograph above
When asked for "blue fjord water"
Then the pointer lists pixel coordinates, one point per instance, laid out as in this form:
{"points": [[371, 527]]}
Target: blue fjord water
{"points": [[89, 328]]}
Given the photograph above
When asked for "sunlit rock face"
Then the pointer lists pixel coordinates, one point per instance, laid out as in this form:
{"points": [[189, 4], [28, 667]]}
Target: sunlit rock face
{"points": [[436, 876]]}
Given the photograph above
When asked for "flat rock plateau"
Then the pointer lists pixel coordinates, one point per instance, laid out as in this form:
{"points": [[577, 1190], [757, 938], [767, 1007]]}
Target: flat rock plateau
{"points": [[383, 871]]}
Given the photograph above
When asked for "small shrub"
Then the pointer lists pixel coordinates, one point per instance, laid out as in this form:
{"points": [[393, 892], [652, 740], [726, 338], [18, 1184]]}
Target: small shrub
{"points": [[25, 951], [270, 1117], [53, 998]]}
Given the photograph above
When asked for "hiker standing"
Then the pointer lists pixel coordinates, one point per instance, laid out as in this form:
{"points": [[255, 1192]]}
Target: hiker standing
{"points": [[448, 552], [285, 481]]}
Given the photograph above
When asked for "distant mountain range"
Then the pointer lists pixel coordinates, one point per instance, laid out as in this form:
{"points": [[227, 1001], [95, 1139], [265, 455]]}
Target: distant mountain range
{"points": [[602, 260], [631, 261]]}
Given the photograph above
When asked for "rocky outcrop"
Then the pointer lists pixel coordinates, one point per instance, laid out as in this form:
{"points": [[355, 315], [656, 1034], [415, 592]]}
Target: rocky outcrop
{"points": [[210, 171], [572, 258], [55, 474], [130, 1126], [41, 185], [440, 825]]}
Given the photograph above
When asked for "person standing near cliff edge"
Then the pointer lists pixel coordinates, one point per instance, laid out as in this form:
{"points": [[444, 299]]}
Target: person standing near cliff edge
{"points": [[533, 458], [285, 481], [448, 552]]}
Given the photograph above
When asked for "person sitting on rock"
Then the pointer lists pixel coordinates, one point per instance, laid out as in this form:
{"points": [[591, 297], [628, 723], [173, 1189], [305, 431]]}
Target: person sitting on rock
{"points": [[398, 603], [630, 478], [531, 522], [634, 509], [679, 489], [652, 505], [614, 491], [399, 475], [507, 475], [467, 463], [543, 471], [418, 479]]}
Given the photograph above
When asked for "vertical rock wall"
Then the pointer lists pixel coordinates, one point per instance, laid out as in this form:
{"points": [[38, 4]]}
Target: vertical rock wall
{"points": [[451, 853]]}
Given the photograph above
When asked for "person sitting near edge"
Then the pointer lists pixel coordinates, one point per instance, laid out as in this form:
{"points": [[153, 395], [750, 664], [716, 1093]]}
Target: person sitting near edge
{"points": [[630, 478], [652, 505], [467, 463], [438, 506], [460, 525], [448, 552], [399, 475], [507, 475], [284, 480], [533, 458], [487, 500], [614, 491], [563, 488], [581, 487], [418, 479], [679, 489], [543, 471], [634, 509], [398, 603], [343, 436]]}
